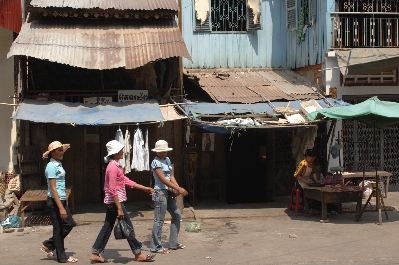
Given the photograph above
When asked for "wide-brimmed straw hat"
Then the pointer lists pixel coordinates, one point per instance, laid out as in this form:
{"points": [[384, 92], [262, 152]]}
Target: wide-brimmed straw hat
{"points": [[54, 145], [161, 146]]}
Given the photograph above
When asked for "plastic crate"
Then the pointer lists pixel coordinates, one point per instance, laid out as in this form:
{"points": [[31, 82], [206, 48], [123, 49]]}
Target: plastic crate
{"points": [[309, 106]]}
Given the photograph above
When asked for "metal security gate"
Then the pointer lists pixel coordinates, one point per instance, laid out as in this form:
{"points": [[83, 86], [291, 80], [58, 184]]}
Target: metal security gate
{"points": [[387, 143]]}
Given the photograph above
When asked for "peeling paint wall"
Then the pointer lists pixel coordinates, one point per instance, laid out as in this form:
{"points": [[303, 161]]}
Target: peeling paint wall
{"points": [[270, 46]]}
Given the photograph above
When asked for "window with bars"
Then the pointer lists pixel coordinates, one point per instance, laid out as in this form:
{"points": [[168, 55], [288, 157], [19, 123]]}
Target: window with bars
{"points": [[366, 23], [227, 15]]}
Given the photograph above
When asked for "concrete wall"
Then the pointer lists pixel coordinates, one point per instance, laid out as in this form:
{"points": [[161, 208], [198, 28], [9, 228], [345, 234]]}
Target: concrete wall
{"points": [[7, 126]]}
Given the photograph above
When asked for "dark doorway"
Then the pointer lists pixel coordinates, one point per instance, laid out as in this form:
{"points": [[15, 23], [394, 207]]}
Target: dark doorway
{"points": [[246, 180]]}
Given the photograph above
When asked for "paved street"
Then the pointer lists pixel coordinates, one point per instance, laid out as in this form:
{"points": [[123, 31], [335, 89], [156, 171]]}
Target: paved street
{"points": [[231, 234]]}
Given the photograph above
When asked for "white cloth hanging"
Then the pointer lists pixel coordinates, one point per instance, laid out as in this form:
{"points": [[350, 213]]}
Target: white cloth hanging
{"points": [[128, 149], [119, 138], [187, 134], [146, 153], [139, 153]]}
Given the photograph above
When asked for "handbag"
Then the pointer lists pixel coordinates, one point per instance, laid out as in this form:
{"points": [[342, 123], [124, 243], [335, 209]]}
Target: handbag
{"points": [[122, 230], [173, 193], [118, 231]]}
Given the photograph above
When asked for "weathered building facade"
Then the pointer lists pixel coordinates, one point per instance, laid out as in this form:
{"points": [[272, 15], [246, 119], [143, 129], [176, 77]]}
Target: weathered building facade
{"points": [[109, 51], [243, 53], [363, 61]]}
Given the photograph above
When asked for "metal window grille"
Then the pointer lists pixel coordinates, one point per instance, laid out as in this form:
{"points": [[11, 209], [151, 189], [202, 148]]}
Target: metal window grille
{"points": [[229, 15], [369, 6]]}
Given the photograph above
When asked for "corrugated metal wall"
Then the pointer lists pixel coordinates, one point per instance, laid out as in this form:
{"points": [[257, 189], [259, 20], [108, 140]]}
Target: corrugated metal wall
{"points": [[272, 46], [11, 15]]}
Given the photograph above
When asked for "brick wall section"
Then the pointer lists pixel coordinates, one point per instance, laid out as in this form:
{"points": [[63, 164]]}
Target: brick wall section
{"points": [[312, 73]]}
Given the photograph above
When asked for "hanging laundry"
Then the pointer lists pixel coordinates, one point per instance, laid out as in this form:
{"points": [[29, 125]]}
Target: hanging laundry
{"points": [[146, 153], [128, 148], [188, 134], [119, 138], [138, 161]]}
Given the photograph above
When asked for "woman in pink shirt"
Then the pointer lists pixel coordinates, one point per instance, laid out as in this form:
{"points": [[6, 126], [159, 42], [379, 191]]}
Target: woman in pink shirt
{"points": [[115, 194]]}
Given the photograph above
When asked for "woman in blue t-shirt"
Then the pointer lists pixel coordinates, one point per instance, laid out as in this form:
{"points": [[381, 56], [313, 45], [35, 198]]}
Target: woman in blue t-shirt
{"points": [[164, 180], [61, 216]]}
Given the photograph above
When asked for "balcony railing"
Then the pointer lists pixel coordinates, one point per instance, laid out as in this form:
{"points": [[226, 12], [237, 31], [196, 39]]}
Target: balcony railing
{"points": [[364, 30]]}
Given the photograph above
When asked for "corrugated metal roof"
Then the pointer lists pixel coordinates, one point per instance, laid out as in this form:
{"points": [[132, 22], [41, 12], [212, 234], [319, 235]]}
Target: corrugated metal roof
{"points": [[255, 86], [100, 44], [11, 15], [147, 5]]}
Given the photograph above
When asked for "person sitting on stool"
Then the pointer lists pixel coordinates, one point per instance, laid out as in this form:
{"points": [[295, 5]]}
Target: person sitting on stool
{"points": [[306, 172]]}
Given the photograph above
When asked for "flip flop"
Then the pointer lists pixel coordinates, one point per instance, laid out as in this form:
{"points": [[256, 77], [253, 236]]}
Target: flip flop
{"points": [[180, 246], [49, 253], [148, 258], [71, 260], [162, 251]]}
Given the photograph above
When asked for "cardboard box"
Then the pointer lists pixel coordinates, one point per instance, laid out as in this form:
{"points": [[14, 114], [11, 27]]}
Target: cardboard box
{"points": [[309, 106]]}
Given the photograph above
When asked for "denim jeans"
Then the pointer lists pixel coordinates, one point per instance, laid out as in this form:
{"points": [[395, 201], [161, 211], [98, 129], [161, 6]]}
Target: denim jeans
{"points": [[61, 228], [105, 232], [163, 202]]}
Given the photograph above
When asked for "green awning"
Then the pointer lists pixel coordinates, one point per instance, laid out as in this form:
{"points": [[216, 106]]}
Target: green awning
{"points": [[382, 114]]}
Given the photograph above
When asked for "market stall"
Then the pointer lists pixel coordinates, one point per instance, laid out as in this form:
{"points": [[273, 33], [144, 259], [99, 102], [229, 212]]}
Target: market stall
{"points": [[333, 194], [372, 112]]}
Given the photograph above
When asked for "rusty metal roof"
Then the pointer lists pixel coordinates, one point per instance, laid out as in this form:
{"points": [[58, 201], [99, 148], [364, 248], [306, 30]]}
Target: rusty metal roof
{"points": [[11, 15], [100, 44], [243, 86], [147, 5]]}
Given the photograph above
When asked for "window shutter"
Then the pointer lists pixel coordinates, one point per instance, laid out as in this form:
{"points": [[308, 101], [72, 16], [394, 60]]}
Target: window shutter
{"points": [[292, 21], [312, 12], [207, 26], [250, 20]]}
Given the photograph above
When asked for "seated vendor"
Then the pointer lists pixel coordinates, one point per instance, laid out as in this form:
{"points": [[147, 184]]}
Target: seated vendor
{"points": [[306, 172]]}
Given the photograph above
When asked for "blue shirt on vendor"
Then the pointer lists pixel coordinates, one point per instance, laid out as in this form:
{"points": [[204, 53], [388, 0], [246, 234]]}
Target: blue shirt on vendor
{"points": [[54, 170], [166, 167]]}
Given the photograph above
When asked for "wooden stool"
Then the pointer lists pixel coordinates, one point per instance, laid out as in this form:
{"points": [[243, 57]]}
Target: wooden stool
{"points": [[297, 203]]}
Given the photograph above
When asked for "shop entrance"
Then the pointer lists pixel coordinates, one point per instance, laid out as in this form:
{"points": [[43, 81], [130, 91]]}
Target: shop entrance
{"points": [[246, 178]]}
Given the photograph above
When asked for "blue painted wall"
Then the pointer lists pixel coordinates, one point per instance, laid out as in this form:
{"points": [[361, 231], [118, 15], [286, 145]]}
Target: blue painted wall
{"points": [[273, 46]]}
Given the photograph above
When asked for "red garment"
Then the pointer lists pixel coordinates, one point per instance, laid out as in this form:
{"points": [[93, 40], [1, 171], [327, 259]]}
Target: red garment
{"points": [[115, 183]]}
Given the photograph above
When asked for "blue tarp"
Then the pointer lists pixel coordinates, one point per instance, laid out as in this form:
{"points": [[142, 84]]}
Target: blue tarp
{"points": [[257, 108], [89, 114]]}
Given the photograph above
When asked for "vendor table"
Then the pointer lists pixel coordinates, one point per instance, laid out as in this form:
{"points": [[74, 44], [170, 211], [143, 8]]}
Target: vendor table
{"points": [[326, 196], [369, 175], [39, 194]]}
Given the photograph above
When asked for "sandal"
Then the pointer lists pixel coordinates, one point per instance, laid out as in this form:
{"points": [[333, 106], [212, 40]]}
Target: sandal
{"points": [[148, 257], [180, 246], [71, 260], [96, 258], [49, 253], [162, 251]]}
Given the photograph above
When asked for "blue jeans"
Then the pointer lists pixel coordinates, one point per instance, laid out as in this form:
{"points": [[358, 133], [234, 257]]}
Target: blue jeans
{"points": [[163, 202], [105, 232]]}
